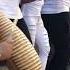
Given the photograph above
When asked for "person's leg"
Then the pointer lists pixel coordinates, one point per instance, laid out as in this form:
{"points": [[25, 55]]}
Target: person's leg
{"points": [[38, 32], [22, 25], [31, 23], [42, 42], [58, 29], [46, 20]]}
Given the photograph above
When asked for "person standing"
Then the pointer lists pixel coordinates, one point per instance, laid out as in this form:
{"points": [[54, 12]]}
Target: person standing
{"points": [[32, 16], [56, 18]]}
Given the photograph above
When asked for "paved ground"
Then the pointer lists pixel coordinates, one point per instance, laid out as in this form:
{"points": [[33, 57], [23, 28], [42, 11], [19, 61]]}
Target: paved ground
{"points": [[68, 67], [3, 68]]}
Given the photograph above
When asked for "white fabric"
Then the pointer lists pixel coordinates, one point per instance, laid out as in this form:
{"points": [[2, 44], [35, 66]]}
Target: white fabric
{"points": [[39, 35], [11, 8], [33, 8], [55, 6], [36, 28]]}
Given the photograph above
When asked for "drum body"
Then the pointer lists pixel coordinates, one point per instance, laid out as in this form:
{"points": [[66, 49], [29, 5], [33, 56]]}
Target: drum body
{"points": [[24, 55]]}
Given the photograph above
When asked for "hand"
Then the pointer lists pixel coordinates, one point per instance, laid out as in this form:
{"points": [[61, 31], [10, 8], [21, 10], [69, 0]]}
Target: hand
{"points": [[5, 50]]}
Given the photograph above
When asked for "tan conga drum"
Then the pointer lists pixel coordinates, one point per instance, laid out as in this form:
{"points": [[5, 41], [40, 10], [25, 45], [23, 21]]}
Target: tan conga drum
{"points": [[24, 56]]}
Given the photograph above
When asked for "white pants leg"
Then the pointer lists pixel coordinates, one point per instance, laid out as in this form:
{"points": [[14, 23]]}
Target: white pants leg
{"points": [[30, 11], [31, 23], [43, 42], [38, 32]]}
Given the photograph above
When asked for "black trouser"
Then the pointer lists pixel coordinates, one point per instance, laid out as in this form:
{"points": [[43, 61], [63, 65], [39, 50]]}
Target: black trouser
{"points": [[58, 27], [22, 25]]}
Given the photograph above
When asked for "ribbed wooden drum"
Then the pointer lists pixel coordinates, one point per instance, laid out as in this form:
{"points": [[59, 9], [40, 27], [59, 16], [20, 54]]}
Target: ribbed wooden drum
{"points": [[24, 55]]}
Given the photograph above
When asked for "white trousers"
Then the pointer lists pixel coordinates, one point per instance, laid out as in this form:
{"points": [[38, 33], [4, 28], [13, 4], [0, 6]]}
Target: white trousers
{"points": [[39, 35]]}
